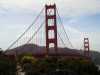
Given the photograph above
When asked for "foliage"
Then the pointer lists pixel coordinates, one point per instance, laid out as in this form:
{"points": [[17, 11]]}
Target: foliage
{"points": [[27, 62], [26, 58], [7, 66], [71, 66]]}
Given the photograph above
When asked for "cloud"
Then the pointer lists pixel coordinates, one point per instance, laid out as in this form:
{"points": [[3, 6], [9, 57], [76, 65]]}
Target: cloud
{"points": [[72, 7], [76, 36], [94, 40], [79, 7], [67, 9]]}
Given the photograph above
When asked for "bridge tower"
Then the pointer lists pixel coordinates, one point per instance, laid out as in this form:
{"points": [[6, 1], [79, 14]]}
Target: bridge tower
{"points": [[86, 47], [50, 26]]}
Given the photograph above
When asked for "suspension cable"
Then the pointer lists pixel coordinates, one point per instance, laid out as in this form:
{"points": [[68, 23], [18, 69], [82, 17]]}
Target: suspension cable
{"points": [[37, 30], [35, 33], [61, 39], [26, 29], [64, 29]]}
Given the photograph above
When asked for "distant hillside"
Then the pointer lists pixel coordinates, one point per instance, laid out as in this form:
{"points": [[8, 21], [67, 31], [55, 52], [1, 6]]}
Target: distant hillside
{"points": [[96, 57], [35, 49]]}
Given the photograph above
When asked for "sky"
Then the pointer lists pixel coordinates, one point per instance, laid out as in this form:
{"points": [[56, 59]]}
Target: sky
{"points": [[80, 19]]}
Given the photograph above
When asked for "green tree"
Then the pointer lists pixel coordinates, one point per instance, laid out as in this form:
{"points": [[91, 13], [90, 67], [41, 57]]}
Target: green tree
{"points": [[7, 66]]}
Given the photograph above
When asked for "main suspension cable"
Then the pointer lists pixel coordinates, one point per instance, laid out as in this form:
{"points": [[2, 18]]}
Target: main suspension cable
{"points": [[35, 33], [26, 29], [64, 29], [61, 39], [37, 30]]}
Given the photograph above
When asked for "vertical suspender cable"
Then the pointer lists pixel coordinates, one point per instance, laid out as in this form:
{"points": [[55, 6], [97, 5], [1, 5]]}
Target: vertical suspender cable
{"points": [[26, 30], [64, 30]]}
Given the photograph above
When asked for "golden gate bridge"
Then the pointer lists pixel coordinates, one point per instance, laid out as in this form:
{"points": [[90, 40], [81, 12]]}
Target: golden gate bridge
{"points": [[51, 32]]}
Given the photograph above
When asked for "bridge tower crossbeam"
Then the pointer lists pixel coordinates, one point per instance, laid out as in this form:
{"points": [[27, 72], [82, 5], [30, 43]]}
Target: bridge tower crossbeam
{"points": [[86, 47], [50, 14]]}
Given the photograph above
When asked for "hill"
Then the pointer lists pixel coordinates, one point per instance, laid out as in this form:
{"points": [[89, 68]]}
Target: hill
{"points": [[40, 50]]}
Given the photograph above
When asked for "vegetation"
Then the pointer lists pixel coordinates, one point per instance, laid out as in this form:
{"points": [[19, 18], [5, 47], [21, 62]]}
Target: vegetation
{"points": [[49, 66], [96, 57], [31, 48], [7, 66]]}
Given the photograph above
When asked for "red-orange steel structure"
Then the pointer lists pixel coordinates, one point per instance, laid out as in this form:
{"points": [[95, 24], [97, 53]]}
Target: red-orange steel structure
{"points": [[86, 47], [50, 14], [51, 25]]}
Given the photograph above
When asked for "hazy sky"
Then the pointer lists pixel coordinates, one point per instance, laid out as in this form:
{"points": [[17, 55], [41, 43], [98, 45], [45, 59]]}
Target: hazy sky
{"points": [[78, 16]]}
